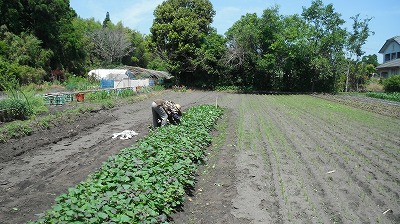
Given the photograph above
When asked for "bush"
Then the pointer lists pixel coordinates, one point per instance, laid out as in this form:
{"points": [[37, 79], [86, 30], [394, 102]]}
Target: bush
{"points": [[24, 74], [392, 84], [79, 83], [14, 109]]}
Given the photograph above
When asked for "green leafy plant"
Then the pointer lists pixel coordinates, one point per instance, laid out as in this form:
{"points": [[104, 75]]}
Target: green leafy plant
{"points": [[395, 96]]}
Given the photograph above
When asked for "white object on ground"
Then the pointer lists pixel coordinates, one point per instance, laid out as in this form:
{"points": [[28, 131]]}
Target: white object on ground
{"points": [[127, 134]]}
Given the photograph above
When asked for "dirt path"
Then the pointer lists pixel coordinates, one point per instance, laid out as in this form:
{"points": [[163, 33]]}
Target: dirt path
{"points": [[276, 159]]}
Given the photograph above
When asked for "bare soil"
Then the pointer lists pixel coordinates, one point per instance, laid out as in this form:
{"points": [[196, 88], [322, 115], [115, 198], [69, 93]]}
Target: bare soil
{"points": [[270, 167]]}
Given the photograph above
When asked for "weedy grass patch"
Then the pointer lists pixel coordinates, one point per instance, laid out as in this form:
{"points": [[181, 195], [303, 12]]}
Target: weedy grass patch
{"points": [[144, 183]]}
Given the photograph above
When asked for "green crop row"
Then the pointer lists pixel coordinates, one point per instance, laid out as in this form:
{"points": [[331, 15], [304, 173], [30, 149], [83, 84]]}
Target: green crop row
{"points": [[144, 183], [395, 96]]}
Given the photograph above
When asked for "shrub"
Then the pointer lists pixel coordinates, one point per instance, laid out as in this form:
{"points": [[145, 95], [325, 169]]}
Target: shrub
{"points": [[392, 84], [14, 109], [79, 83], [24, 74]]}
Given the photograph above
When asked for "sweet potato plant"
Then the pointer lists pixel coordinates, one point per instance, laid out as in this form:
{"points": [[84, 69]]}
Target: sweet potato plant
{"points": [[144, 183]]}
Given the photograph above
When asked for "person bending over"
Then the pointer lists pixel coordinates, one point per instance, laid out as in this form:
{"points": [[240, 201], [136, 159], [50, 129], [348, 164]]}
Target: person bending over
{"points": [[165, 110]]}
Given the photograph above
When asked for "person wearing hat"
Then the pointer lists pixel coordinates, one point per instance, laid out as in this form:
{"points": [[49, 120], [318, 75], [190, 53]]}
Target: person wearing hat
{"points": [[165, 110]]}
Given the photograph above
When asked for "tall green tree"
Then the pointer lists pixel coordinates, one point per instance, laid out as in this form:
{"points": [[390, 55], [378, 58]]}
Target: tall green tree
{"points": [[13, 15], [356, 39], [139, 55], [371, 59], [24, 49], [244, 48], [210, 60], [292, 55], [269, 66], [178, 32], [50, 22], [106, 20], [327, 42]]}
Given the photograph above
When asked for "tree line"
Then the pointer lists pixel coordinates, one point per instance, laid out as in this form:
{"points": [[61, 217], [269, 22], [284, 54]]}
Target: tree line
{"points": [[309, 52]]}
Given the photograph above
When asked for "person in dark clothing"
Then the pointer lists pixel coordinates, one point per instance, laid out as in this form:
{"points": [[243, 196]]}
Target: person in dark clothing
{"points": [[165, 111]]}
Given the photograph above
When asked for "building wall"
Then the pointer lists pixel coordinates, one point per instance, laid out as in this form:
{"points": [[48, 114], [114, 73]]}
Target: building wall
{"points": [[391, 52], [125, 83]]}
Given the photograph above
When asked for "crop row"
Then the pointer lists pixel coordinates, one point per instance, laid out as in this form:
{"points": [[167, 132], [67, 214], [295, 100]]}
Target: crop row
{"points": [[144, 183]]}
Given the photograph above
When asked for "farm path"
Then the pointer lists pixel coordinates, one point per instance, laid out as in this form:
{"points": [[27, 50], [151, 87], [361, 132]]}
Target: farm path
{"points": [[35, 169]]}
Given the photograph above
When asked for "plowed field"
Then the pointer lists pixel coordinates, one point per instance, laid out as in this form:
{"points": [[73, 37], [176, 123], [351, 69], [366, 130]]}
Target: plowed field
{"points": [[274, 159], [300, 159]]}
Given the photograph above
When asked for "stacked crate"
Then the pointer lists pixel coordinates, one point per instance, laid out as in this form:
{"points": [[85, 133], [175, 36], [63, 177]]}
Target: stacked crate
{"points": [[54, 99]]}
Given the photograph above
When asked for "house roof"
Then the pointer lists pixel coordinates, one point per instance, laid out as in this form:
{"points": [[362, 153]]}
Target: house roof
{"points": [[148, 73], [390, 64], [389, 41]]}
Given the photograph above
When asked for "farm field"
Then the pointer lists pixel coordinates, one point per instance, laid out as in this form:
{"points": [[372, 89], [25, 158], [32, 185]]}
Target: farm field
{"points": [[300, 159], [274, 159]]}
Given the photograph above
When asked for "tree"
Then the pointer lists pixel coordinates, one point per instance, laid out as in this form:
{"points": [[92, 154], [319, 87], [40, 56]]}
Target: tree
{"points": [[327, 41], [22, 57], [244, 48], [110, 44], [292, 55], [209, 60], [107, 20], [141, 55], [50, 22], [24, 49], [356, 39], [274, 50], [371, 59], [178, 31], [12, 15]]}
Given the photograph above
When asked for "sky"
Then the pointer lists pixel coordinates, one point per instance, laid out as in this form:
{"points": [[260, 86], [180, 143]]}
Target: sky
{"points": [[138, 14]]}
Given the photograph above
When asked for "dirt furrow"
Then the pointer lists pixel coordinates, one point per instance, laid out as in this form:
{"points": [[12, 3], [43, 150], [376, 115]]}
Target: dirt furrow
{"points": [[254, 199], [309, 202], [356, 173]]}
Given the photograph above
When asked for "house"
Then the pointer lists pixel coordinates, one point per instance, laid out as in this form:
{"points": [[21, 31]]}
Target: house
{"points": [[391, 58]]}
